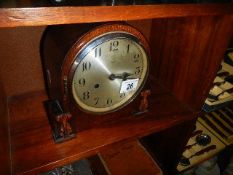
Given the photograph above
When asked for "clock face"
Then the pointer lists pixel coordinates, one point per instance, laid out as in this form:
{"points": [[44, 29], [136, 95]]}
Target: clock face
{"points": [[109, 72]]}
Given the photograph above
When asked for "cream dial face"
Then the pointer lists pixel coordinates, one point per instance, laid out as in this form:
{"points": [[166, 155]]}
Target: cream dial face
{"points": [[104, 67]]}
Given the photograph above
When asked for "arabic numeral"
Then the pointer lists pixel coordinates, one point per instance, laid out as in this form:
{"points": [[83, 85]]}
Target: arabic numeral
{"points": [[129, 86], [97, 52], [86, 66], [122, 95], [86, 95], [128, 48], [82, 82], [109, 101], [96, 100], [137, 71], [136, 58], [114, 45]]}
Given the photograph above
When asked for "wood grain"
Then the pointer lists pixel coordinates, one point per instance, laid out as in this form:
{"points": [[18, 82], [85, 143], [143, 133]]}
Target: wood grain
{"points": [[68, 68], [129, 158], [20, 67], [58, 50], [31, 134], [187, 53], [37, 16], [161, 145], [4, 133], [188, 42]]}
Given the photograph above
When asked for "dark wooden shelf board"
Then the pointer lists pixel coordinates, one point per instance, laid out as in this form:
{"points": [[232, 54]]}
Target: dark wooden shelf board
{"points": [[33, 149], [37, 16], [129, 157]]}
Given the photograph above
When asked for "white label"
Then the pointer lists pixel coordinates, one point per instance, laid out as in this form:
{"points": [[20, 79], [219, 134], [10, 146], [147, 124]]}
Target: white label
{"points": [[129, 85]]}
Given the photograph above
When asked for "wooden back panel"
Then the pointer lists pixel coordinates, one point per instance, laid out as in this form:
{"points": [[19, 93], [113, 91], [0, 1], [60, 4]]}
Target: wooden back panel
{"points": [[4, 137], [187, 52], [20, 67]]}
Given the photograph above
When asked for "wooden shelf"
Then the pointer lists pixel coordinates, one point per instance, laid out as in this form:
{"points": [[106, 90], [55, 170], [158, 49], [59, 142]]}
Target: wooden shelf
{"points": [[129, 158], [31, 135], [187, 42], [37, 16]]}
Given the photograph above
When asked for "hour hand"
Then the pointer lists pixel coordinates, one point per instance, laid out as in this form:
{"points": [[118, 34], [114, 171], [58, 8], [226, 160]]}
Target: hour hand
{"points": [[122, 76]]}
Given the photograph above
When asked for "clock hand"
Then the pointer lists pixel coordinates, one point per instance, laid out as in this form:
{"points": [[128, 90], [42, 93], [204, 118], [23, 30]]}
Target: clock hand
{"points": [[122, 76]]}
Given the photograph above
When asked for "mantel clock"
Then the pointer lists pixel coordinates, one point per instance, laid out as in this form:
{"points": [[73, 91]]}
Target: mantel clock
{"points": [[100, 70]]}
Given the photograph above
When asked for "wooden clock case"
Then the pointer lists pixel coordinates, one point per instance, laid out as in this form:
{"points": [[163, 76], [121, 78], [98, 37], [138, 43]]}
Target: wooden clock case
{"points": [[187, 44], [59, 47]]}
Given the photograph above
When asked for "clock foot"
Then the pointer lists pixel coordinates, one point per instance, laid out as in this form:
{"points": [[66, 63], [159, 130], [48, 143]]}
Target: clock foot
{"points": [[140, 112], [144, 104], [59, 122]]}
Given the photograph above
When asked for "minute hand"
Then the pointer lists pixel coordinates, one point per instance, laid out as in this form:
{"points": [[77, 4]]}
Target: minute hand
{"points": [[122, 76]]}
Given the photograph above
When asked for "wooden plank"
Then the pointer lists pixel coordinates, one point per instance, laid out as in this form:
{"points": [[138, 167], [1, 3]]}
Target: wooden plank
{"points": [[4, 133], [21, 44], [167, 146], [187, 52], [31, 134], [127, 158], [37, 16], [26, 41]]}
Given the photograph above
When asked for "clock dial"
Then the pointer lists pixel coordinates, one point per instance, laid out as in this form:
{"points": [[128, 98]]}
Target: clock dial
{"points": [[109, 72]]}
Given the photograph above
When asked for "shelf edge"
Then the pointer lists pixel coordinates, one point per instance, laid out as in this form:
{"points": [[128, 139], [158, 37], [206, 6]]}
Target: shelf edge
{"points": [[38, 16]]}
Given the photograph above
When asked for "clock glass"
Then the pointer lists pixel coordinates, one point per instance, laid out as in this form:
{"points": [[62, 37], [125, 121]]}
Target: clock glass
{"points": [[109, 72]]}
